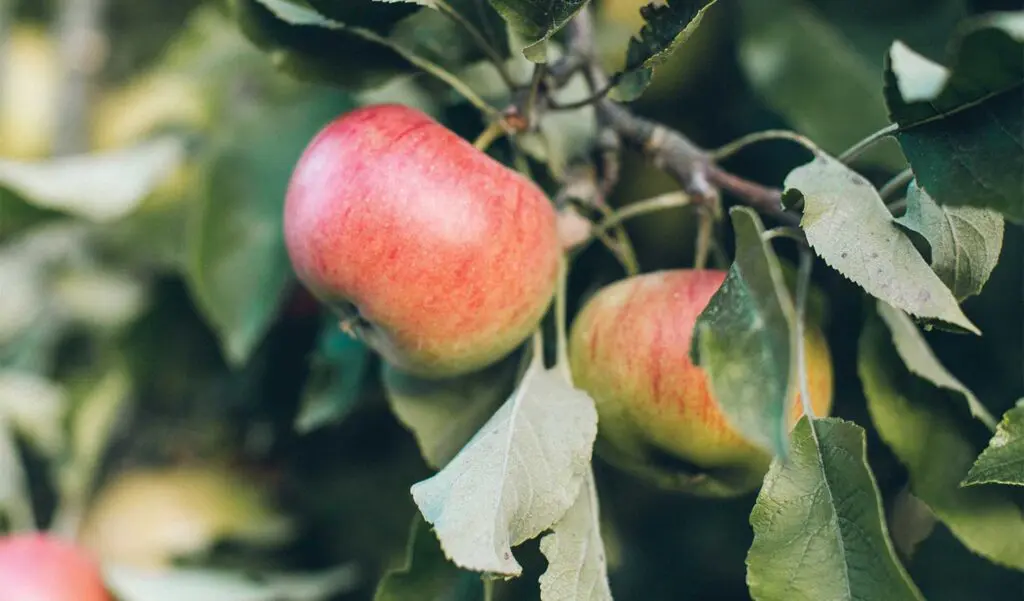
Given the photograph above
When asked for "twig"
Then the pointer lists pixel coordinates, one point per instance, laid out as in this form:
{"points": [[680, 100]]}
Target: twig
{"points": [[896, 184], [78, 30], [726, 151], [857, 149], [488, 136], [479, 40], [669, 200], [589, 100]]}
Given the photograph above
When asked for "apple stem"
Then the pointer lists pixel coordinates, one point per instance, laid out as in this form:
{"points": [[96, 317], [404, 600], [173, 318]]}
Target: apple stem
{"points": [[487, 137], [561, 338], [705, 231]]}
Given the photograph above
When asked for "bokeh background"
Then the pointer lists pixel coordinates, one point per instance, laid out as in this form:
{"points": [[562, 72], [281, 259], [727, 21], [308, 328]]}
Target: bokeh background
{"points": [[170, 397]]}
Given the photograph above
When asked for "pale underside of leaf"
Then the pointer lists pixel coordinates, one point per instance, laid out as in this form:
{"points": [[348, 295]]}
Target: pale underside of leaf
{"points": [[849, 226], [921, 361], [577, 563], [100, 187], [965, 242], [515, 478], [819, 526]]}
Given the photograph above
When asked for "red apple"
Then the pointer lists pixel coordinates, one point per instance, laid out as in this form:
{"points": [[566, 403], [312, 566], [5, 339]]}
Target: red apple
{"points": [[38, 567], [629, 348], [446, 258]]}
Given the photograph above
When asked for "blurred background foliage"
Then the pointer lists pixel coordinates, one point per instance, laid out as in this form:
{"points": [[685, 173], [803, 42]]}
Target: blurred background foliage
{"points": [[228, 420]]}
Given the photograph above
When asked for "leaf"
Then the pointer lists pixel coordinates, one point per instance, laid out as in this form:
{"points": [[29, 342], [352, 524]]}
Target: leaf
{"points": [[238, 267], [808, 71], [577, 565], [667, 25], [1002, 462], [34, 407], [443, 414], [987, 60], [516, 477], [819, 526], [965, 242], [427, 574], [913, 349], [305, 42], [745, 339], [100, 187], [195, 584], [850, 227], [961, 128], [926, 437], [336, 378], [535, 21], [15, 492]]}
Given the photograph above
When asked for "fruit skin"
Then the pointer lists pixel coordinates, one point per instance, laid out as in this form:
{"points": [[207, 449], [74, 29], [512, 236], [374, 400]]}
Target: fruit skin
{"points": [[449, 257], [629, 348], [39, 567]]}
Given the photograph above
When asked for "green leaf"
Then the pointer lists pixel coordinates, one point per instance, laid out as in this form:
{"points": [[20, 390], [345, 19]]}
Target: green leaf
{"points": [[336, 378], [667, 25], [987, 60], [819, 526], [203, 584], [443, 414], [535, 21], [961, 128], [516, 478], [427, 574], [913, 349], [577, 565], [964, 242], [926, 437], [304, 42], [100, 187], [1002, 462], [850, 227], [238, 267], [809, 72], [745, 339]]}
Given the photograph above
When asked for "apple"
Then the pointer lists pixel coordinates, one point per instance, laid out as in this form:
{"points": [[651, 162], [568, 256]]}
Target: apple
{"points": [[629, 349], [40, 567], [150, 517], [439, 257]]}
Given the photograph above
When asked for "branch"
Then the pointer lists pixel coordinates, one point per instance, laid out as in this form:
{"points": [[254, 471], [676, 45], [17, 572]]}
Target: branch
{"points": [[670, 150]]}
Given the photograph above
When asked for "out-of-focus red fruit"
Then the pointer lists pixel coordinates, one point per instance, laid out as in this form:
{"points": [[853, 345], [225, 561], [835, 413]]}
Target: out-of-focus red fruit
{"points": [[38, 567]]}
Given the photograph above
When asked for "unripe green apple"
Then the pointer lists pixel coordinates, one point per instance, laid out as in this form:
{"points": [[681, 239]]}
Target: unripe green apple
{"points": [[445, 258], [629, 348], [38, 567]]}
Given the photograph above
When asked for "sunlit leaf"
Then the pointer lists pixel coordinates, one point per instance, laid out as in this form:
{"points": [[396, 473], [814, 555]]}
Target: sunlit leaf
{"points": [[516, 477], [577, 563], [918, 423], [850, 227], [1002, 461], [101, 187], [819, 526], [921, 361]]}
